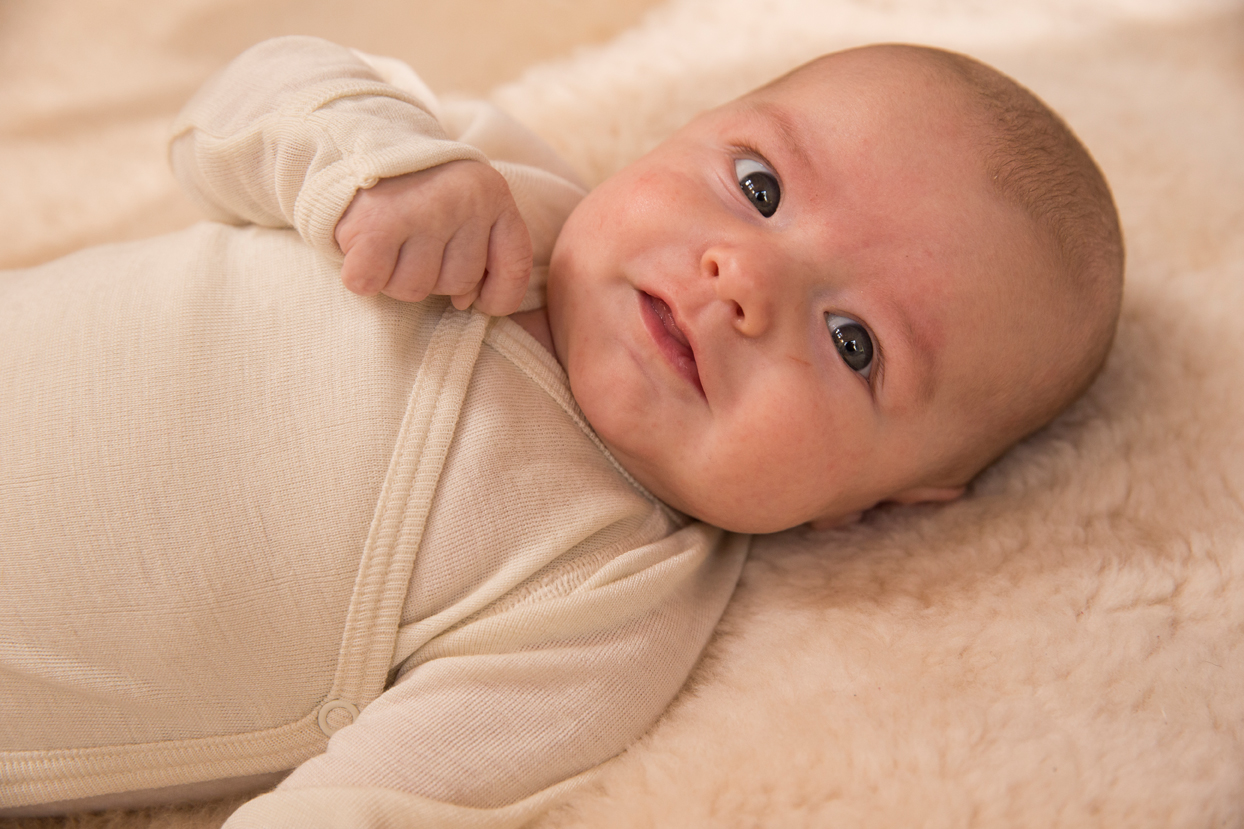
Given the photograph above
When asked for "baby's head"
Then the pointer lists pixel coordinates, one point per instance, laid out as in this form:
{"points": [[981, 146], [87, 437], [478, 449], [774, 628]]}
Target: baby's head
{"points": [[860, 283]]}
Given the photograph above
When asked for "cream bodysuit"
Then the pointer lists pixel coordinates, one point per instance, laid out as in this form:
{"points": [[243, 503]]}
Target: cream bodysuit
{"points": [[243, 511]]}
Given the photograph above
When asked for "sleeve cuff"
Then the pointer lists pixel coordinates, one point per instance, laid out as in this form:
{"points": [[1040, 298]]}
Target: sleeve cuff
{"points": [[328, 193]]}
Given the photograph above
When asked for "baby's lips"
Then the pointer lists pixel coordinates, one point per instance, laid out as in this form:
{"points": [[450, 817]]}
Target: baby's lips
{"points": [[671, 340], [671, 325]]}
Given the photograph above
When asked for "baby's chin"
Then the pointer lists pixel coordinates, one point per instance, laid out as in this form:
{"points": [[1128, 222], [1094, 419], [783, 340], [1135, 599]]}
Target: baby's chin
{"points": [[704, 493], [776, 521], [748, 513], [748, 524]]}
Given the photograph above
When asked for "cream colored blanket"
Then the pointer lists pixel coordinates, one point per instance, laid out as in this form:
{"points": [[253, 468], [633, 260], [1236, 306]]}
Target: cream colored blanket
{"points": [[1065, 646]]}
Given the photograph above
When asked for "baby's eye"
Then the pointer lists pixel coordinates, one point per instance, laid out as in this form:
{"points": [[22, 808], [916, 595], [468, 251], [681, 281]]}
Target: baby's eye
{"points": [[759, 184], [853, 343]]}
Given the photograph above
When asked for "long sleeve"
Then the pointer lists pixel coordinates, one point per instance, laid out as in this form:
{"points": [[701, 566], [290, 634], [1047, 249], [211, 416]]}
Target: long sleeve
{"points": [[507, 714], [288, 132]]}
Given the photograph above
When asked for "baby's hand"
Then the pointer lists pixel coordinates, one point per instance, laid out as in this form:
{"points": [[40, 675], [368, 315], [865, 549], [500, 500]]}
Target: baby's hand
{"points": [[452, 230]]}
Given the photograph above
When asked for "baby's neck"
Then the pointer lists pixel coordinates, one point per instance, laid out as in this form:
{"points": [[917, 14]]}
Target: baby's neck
{"points": [[536, 323]]}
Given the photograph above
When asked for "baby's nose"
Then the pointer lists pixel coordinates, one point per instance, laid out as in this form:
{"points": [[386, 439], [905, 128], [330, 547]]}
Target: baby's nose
{"points": [[745, 286]]}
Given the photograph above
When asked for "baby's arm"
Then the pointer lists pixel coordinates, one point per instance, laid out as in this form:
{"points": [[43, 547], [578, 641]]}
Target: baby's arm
{"points": [[502, 717], [291, 130]]}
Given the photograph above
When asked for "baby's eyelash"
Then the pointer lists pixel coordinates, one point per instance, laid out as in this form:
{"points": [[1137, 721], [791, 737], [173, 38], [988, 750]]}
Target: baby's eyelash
{"points": [[871, 371], [878, 373], [877, 376], [759, 183], [744, 151]]}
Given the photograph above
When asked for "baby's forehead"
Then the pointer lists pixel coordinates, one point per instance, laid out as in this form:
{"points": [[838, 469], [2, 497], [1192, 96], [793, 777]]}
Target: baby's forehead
{"points": [[855, 99]]}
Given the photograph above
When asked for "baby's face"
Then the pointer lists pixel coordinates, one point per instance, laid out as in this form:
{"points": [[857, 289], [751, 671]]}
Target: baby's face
{"points": [[783, 313]]}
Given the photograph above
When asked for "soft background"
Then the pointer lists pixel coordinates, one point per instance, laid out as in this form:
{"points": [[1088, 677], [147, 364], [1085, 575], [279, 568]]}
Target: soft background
{"points": [[1065, 646]]}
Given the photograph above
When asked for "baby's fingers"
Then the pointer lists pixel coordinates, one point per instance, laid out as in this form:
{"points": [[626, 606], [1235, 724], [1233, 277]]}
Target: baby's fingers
{"points": [[368, 265], [463, 264], [417, 271], [508, 264], [463, 301]]}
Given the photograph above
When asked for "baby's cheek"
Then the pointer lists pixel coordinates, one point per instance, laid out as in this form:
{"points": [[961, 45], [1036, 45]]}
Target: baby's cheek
{"points": [[814, 441]]}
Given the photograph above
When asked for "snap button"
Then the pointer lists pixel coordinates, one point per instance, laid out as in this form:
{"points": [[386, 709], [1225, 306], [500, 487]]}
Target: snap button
{"points": [[349, 711]]}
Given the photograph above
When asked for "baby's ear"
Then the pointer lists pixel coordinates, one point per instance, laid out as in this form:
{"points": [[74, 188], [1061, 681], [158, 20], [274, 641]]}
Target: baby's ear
{"points": [[926, 494]]}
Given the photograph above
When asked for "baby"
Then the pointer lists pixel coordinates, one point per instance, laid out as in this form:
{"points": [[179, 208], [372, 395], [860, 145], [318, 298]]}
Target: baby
{"points": [[856, 285]]}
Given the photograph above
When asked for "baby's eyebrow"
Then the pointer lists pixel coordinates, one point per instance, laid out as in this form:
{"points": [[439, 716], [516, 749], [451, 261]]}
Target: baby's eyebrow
{"points": [[786, 129]]}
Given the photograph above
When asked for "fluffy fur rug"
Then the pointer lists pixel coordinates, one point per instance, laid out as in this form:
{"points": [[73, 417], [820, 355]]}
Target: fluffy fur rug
{"points": [[1065, 646]]}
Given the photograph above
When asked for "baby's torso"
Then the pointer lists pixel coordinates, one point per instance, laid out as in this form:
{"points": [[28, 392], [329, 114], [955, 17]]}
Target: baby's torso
{"points": [[237, 503]]}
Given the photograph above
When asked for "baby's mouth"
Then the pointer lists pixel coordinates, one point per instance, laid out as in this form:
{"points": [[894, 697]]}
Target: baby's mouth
{"points": [[670, 339]]}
